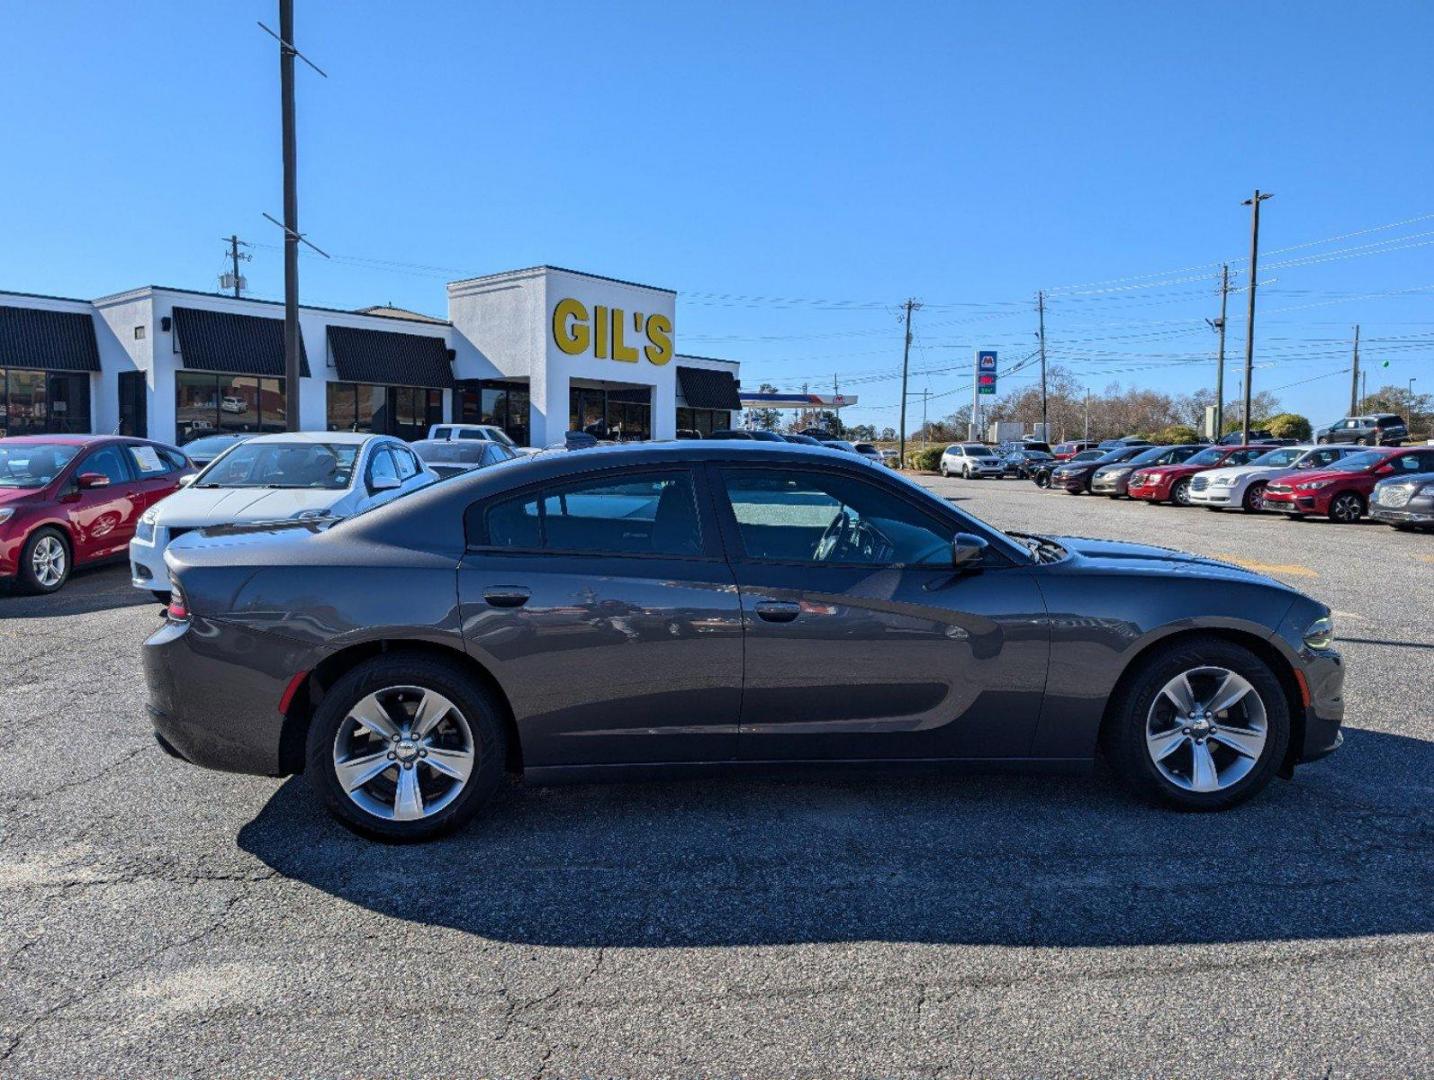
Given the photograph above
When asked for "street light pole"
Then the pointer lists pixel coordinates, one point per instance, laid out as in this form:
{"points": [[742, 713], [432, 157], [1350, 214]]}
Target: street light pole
{"points": [[1254, 205]]}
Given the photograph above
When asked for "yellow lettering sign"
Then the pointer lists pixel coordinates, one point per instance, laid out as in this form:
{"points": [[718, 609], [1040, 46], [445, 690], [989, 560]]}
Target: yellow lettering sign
{"points": [[659, 333], [574, 331], [570, 339]]}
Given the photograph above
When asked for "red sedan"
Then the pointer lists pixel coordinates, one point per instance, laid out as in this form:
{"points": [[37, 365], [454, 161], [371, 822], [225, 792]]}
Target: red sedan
{"points": [[1341, 491], [68, 500], [1067, 450], [1171, 483]]}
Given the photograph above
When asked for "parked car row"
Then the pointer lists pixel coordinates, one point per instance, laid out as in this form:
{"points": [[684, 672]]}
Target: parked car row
{"points": [[870, 451]]}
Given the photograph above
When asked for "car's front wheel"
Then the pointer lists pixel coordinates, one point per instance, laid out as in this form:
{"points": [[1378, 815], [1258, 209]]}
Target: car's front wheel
{"points": [[405, 748], [1346, 508], [44, 562], [1180, 493], [1254, 499], [1201, 725], [1043, 480]]}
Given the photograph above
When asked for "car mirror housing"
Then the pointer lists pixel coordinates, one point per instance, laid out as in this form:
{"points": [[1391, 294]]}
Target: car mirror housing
{"points": [[185, 481], [385, 483], [968, 551], [88, 480]]}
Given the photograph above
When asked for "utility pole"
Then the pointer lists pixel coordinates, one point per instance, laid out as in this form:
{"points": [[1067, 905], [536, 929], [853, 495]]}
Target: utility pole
{"points": [[1363, 390], [292, 343], [1254, 204], [925, 431], [1354, 376], [1041, 309], [836, 394], [1219, 326], [910, 306], [236, 280]]}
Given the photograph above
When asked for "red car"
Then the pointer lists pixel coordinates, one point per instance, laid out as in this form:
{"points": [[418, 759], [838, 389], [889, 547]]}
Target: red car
{"points": [[1341, 491], [1171, 483], [1067, 450], [68, 500]]}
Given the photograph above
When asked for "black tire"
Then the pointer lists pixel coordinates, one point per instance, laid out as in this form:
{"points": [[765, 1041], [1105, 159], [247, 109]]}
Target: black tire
{"points": [[1043, 480], [477, 707], [1180, 494], [1361, 441], [1253, 501], [1346, 508], [1322, 441], [28, 575], [1123, 736]]}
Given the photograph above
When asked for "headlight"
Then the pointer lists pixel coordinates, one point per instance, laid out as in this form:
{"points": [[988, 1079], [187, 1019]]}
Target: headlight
{"points": [[150, 516], [1314, 485], [1225, 481], [1320, 634], [144, 531], [6, 513]]}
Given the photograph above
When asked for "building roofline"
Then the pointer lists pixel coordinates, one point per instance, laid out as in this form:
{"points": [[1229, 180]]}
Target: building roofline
{"points": [[709, 359], [142, 289], [43, 296], [540, 268]]}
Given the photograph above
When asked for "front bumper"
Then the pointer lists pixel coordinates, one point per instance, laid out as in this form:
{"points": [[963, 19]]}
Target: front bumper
{"points": [[1149, 492], [146, 561], [1323, 675], [214, 693], [1406, 515], [1108, 485], [1292, 502], [1216, 496]]}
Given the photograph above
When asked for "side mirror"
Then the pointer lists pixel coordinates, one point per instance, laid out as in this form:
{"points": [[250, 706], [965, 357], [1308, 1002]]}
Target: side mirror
{"points": [[91, 480], [385, 483], [185, 481], [968, 551]]}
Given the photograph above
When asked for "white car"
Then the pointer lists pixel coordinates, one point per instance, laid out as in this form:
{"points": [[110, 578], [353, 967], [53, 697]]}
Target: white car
{"points": [[970, 460], [1242, 487], [487, 432], [276, 478]]}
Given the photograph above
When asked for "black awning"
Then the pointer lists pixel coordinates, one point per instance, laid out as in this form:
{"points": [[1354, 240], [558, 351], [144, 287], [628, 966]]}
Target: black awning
{"points": [[48, 340], [390, 358], [233, 344], [704, 388]]}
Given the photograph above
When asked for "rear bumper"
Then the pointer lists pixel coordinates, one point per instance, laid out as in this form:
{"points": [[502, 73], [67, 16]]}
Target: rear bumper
{"points": [[214, 694]]}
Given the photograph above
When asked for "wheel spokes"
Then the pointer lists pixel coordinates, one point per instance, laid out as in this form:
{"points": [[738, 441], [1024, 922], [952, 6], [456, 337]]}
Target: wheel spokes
{"points": [[370, 712], [1166, 743], [1243, 741], [407, 798], [457, 764], [356, 772], [432, 707], [1203, 774], [1178, 690], [1232, 690]]}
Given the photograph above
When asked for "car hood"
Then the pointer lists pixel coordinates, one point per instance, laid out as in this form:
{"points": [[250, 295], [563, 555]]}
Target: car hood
{"points": [[194, 507], [1121, 555], [17, 495], [1300, 476]]}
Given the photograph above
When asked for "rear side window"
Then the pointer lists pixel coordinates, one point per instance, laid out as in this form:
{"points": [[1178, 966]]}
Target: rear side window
{"points": [[1420, 462], [627, 514], [407, 466]]}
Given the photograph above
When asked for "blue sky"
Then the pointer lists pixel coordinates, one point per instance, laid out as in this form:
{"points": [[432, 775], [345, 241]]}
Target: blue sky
{"points": [[751, 155]]}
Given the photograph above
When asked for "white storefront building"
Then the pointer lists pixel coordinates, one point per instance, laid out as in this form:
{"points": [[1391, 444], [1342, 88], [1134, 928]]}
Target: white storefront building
{"points": [[538, 352]]}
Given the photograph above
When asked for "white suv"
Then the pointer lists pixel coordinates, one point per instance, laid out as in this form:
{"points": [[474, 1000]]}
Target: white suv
{"points": [[1242, 487], [485, 432], [971, 460], [275, 478]]}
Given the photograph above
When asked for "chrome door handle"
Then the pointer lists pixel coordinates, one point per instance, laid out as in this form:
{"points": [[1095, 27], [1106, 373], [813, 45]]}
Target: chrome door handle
{"points": [[506, 595], [777, 610]]}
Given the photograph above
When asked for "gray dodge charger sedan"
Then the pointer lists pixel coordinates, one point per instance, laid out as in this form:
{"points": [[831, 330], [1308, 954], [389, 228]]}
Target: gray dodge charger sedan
{"points": [[696, 606]]}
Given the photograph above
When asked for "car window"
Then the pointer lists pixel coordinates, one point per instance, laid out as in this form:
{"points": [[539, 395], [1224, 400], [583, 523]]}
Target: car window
{"points": [[830, 518], [147, 461], [1419, 462], [470, 433], [381, 466], [625, 514], [282, 465], [33, 465], [407, 466], [107, 460]]}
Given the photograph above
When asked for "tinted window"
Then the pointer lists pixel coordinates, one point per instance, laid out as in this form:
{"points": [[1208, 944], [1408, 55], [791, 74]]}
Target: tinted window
{"points": [[1420, 462], [107, 460], [817, 517], [626, 514]]}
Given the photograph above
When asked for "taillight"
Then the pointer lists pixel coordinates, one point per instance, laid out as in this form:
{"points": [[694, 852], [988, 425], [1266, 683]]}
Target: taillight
{"points": [[178, 610]]}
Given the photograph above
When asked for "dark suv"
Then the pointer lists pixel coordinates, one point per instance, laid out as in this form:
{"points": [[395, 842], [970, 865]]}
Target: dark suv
{"points": [[1375, 429]]}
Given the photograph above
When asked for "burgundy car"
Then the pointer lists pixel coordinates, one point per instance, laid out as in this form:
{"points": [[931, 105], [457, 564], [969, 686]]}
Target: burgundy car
{"points": [[69, 500], [1341, 492]]}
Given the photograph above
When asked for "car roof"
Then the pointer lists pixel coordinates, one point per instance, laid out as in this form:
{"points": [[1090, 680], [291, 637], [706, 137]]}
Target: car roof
{"points": [[340, 437], [69, 440]]}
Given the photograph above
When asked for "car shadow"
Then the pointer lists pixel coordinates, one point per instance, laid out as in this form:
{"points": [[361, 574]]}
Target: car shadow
{"points": [[1341, 851], [90, 589]]}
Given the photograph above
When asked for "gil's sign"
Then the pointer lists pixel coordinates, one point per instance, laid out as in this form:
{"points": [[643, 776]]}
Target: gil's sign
{"points": [[604, 332]]}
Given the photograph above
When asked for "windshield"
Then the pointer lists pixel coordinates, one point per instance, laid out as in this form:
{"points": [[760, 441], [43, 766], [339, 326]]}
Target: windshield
{"points": [[1211, 456], [1357, 462], [33, 465], [1286, 455], [1155, 453], [209, 444], [978, 451], [326, 466], [1120, 453]]}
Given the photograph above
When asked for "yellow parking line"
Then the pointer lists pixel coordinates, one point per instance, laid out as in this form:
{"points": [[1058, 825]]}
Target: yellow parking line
{"points": [[1425, 558], [1292, 569]]}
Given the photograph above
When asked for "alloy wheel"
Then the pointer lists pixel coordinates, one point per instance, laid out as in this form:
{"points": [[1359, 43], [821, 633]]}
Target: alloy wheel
{"points": [[1346, 508], [1206, 729], [404, 753], [1181, 495], [1255, 497], [48, 561]]}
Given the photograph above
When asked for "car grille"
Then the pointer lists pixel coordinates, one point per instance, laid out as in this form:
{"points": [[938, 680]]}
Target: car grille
{"points": [[1281, 488], [1200, 483], [175, 534], [1395, 496]]}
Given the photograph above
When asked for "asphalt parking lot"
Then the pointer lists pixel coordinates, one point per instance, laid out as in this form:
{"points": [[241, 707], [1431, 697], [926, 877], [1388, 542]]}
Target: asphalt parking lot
{"points": [[159, 920]]}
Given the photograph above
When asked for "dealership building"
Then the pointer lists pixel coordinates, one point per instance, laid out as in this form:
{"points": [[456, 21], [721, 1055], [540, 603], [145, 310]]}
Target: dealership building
{"points": [[537, 352]]}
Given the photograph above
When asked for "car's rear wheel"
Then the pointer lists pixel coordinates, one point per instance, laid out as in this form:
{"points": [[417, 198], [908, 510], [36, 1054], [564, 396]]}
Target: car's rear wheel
{"points": [[1254, 499], [1201, 725], [44, 562], [1346, 508], [1180, 493], [405, 748]]}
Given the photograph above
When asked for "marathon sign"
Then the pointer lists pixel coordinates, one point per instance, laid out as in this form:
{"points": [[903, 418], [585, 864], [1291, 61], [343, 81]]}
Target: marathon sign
{"points": [[986, 371]]}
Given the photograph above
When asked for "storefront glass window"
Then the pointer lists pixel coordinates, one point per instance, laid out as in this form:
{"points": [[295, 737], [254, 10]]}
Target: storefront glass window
{"points": [[205, 403], [405, 411]]}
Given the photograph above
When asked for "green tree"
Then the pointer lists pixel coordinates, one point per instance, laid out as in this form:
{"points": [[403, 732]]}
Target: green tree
{"points": [[1289, 426]]}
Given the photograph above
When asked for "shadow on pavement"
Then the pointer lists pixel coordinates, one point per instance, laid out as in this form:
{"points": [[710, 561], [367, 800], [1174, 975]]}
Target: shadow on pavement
{"points": [[1343, 850], [90, 589]]}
